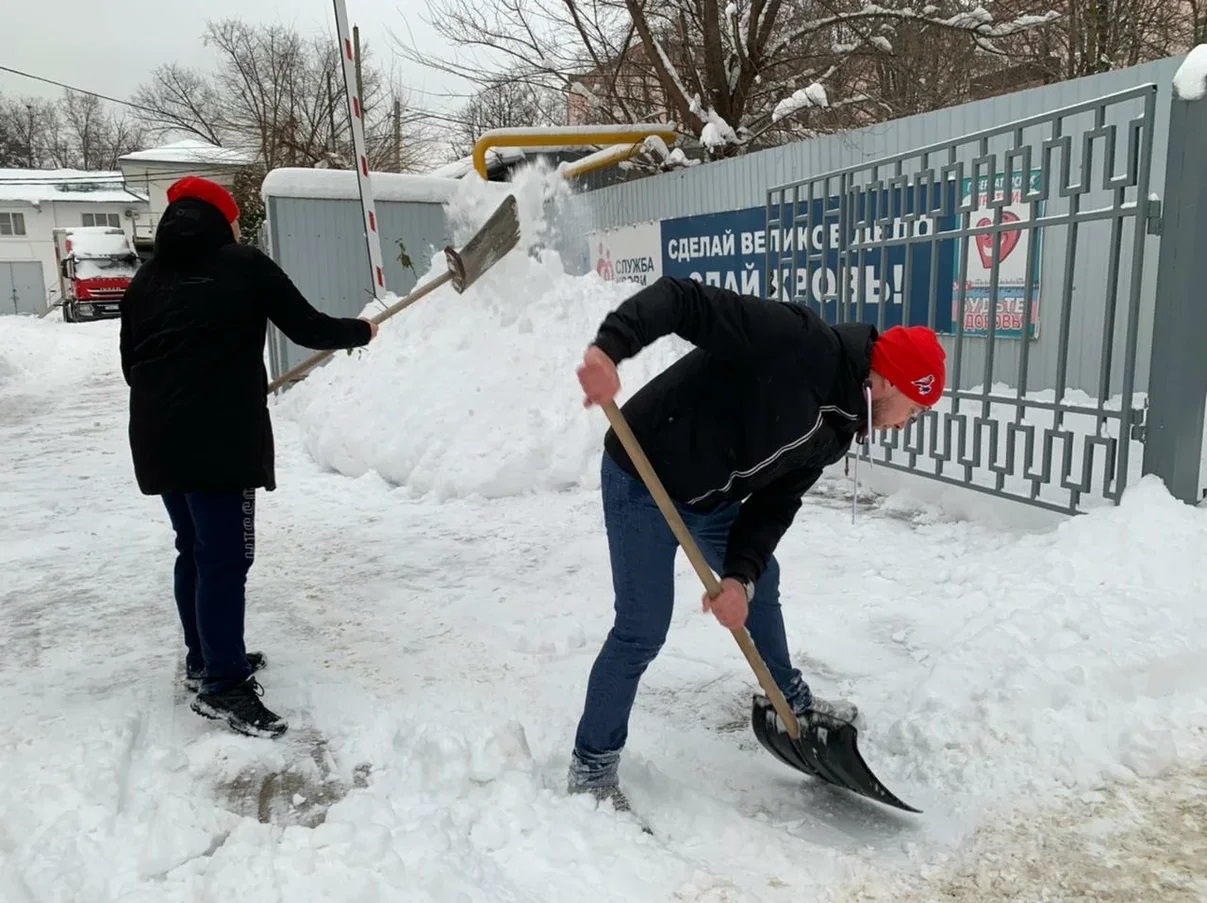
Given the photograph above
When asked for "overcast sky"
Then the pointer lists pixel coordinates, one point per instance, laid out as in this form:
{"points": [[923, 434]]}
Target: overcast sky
{"points": [[112, 47]]}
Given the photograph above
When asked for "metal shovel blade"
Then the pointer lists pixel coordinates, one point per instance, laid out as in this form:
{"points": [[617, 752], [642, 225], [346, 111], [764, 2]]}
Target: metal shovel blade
{"points": [[830, 754], [498, 235]]}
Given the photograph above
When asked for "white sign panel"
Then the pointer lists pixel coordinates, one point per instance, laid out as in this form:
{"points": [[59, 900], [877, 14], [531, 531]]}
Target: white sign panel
{"points": [[628, 254]]}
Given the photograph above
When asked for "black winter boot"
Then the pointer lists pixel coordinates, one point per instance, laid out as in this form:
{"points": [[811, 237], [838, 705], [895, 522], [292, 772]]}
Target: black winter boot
{"points": [[241, 709], [192, 677]]}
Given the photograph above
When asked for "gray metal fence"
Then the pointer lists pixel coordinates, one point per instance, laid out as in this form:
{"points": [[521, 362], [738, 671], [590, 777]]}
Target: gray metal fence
{"points": [[951, 235], [707, 192]]}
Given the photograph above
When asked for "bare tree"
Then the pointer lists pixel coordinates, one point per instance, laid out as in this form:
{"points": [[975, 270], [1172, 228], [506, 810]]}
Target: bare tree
{"points": [[1093, 36], [10, 146], [280, 95], [91, 135], [732, 75], [506, 103], [79, 131], [179, 99], [1101, 35], [32, 124]]}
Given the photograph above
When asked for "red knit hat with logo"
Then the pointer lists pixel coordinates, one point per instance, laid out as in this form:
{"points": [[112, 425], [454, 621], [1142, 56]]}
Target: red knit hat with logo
{"points": [[204, 190], [911, 358]]}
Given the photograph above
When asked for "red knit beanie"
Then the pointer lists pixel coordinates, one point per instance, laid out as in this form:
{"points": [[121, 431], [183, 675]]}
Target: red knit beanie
{"points": [[911, 358], [205, 190]]}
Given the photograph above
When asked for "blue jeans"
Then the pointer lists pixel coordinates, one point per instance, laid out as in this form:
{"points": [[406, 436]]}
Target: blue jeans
{"points": [[215, 548], [643, 551]]}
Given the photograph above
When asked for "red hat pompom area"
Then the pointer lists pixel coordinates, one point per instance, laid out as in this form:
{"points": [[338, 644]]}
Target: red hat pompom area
{"points": [[911, 358], [204, 190]]}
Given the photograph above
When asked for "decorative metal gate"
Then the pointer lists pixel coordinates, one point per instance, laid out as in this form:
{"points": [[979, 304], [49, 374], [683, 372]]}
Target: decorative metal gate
{"points": [[968, 236]]}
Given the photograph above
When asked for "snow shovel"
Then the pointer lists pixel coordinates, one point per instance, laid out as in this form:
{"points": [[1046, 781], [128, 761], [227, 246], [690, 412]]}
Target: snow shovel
{"points": [[488, 245], [819, 750]]}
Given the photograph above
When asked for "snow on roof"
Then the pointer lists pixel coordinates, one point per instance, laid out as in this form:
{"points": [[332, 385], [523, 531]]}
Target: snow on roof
{"points": [[34, 186], [190, 150], [98, 242], [342, 184]]}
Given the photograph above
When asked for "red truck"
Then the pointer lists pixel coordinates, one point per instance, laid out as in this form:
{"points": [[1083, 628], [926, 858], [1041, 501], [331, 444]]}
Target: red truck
{"points": [[96, 264]]}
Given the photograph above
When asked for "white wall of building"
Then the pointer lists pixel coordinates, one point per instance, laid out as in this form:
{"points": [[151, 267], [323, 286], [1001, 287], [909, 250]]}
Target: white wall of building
{"points": [[38, 241]]}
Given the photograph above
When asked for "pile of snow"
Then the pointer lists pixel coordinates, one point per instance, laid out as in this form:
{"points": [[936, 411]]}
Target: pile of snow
{"points": [[49, 352], [1190, 81], [476, 394]]}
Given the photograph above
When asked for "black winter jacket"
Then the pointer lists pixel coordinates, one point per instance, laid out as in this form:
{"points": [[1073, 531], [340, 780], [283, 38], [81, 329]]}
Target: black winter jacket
{"points": [[193, 327], [770, 396]]}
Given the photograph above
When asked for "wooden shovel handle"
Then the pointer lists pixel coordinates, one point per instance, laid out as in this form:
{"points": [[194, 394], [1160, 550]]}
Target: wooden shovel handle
{"points": [[402, 304], [712, 586]]}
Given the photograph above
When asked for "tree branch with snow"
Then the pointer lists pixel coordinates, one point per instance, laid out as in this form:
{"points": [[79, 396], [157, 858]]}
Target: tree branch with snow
{"points": [[731, 75]]}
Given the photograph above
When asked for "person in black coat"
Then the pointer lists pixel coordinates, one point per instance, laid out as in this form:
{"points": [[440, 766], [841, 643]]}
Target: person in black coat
{"points": [[738, 430], [193, 328]]}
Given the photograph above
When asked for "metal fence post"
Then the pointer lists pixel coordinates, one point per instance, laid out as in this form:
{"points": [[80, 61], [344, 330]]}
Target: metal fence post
{"points": [[1173, 441]]}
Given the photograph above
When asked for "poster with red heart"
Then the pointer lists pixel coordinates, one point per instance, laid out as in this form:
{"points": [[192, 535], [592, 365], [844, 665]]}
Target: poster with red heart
{"points": [[1011, 256]]}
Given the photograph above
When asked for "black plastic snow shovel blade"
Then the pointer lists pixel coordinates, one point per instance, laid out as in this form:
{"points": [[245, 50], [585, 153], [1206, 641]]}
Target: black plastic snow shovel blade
{"points": [[491, 243], [827, 753]]}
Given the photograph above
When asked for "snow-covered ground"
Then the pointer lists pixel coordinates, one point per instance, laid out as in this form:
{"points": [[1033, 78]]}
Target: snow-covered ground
{"points": [[431, 588]]}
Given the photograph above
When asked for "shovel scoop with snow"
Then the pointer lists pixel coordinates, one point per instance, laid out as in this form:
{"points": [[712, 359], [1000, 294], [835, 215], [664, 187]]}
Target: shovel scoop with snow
{"points": [[823, 750], [826, 751]]}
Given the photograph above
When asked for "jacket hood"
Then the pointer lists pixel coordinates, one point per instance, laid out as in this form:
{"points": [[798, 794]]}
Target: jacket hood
{"points": [[855, 341], [191, 230]]}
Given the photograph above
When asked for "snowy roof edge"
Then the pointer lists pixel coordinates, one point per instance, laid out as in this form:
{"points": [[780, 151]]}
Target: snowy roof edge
{"points": [[341, 184], [189, 152], [36, 186]]}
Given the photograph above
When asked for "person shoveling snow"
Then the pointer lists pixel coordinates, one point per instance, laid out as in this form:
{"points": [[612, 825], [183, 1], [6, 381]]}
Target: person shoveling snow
{"points": [[192, 350], [739, 429]]}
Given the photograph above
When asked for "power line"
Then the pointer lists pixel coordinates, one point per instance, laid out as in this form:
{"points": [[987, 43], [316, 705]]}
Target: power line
{"points": [[421, 114], [51, 81]]}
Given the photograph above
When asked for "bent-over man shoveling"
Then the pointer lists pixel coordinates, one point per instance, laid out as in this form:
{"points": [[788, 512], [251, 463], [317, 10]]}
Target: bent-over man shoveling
{"points": [[737, 430]]}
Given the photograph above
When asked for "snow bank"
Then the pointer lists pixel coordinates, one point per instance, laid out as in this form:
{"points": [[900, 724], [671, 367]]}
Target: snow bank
{"points": [[438, 651], [1190, 81], [1047, 661], [476, 394], [50, 352]]}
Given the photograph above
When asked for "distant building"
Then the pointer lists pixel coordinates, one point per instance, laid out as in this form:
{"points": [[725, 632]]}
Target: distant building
{"points": [[153, 170], [35, 202]]}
